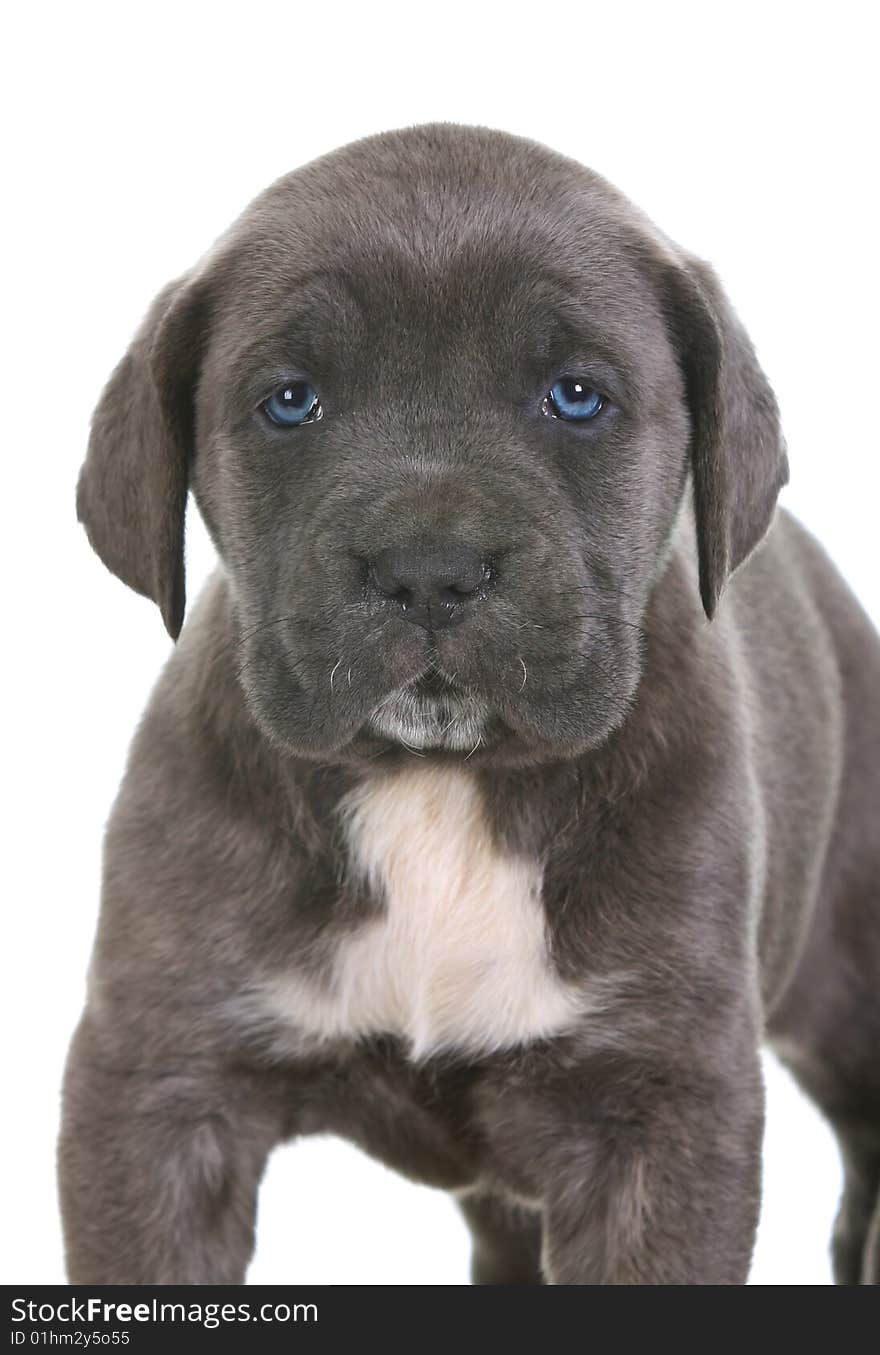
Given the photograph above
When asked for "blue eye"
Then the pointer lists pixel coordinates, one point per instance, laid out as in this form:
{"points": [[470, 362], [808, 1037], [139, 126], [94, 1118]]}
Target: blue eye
{"points": [[571, 398], [292, 404]]}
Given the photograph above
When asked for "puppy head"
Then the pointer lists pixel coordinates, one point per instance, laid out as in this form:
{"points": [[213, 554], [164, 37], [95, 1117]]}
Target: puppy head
{"points": [[439, 397]]}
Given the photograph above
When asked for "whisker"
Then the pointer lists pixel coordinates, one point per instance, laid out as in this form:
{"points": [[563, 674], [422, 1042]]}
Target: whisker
{"points": [[248, 634]]}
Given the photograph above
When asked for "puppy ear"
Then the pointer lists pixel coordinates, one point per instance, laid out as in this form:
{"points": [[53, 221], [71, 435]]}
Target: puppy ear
{"points": [[738, 455], [131, 495]]}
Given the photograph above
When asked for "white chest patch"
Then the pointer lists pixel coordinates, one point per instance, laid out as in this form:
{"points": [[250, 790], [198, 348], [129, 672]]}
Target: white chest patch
{"points": [[457, 956]]}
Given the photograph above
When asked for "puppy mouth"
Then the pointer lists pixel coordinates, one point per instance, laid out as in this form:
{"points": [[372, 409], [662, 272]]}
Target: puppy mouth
{"points": [[432, 712]]}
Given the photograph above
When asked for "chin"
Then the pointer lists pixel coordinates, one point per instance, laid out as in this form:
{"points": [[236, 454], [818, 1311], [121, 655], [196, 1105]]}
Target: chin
{"points": [[433, 714]]}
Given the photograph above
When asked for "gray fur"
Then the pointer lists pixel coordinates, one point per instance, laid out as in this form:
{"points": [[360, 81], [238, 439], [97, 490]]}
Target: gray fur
{"points": [[702, 795]]}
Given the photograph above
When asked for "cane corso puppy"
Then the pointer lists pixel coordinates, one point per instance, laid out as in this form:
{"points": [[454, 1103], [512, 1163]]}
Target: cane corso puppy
{"points": [[517, 772]]}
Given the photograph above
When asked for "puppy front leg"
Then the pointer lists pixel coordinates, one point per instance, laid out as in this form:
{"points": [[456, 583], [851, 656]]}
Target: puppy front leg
{"points": [[159, 1167], [645, 1172], [666, 1191]]}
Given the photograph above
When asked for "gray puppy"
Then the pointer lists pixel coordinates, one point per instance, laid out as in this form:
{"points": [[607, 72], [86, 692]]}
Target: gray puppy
{"points": [[453, 825]]}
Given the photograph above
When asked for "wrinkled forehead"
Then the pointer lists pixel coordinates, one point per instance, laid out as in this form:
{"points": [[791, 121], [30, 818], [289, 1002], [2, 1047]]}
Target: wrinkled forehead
{"points": [[484, 281]]}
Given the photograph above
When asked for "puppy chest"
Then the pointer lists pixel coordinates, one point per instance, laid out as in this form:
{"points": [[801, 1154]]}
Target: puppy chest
{"points": [[455, 956]]}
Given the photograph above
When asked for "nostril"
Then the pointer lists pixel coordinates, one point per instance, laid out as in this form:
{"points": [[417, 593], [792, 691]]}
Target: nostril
{"points": [[469, 580], [385, 575], [469, 583], [487, 576]]}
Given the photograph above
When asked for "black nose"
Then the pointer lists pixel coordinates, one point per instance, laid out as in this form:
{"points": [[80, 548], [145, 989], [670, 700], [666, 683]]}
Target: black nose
{"points": [[431, 584]]}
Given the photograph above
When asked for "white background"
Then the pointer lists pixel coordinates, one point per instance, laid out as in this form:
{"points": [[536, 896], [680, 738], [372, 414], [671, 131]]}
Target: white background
{"points": [[135, 134]]}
